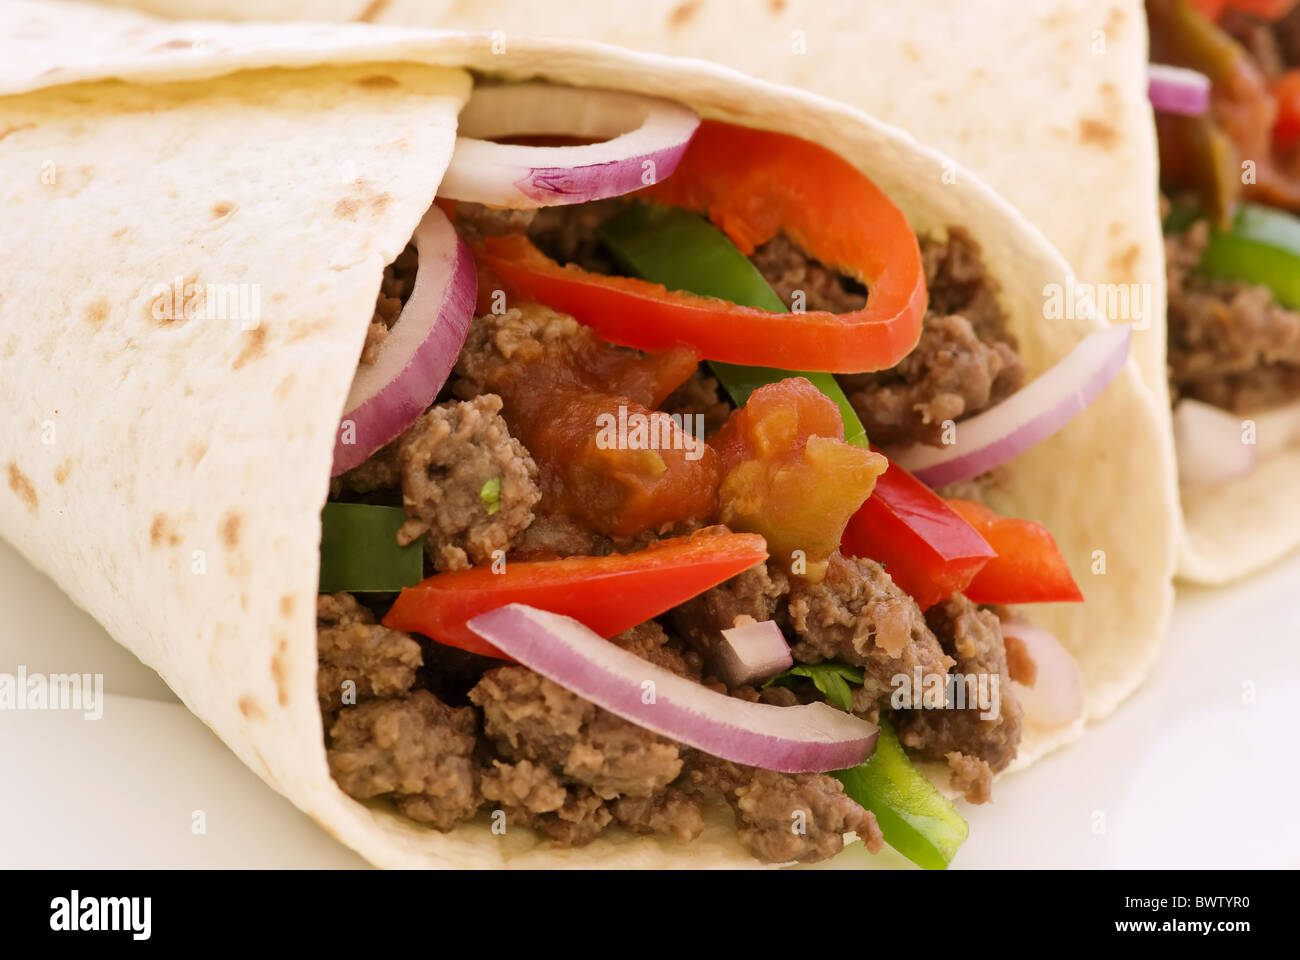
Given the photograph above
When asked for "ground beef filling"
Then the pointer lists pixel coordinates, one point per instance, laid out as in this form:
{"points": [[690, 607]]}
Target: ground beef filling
{"points": [[528, 717], [394, 291], [1230, 344], [965, 361], [414, 749], [441, 733], [467, 485], [353, 649], [784, 817], [550, 760], [804, 283], [974, 747], [857, 615]]}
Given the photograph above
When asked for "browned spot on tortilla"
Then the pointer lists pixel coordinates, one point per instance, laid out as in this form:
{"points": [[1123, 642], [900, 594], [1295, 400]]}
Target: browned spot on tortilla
{"points": [[162, 307], [1114, 20], [302, 331], [254, 344], [280, 671], [281, 391], [61, 472], [221, 208], [379, 202], [243, 602], [20, 485], [1125, 263], [776, 6], [286, 606], [97, 312], [120, 232], [1020, 665], [979, 73], [347, 208], [250, 707], [683, 12], [1108, 90], [941, 97], [910, 51], [378, 81], [372, 10], [14, 128], [229, 529], [162, 530], [1098, 132], [195, 450], [177, 44]]}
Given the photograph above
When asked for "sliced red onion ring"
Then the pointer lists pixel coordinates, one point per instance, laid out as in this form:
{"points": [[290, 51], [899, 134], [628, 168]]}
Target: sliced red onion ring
{"points": [[751, 651], [1178, 90], [649, 136], [1027, 417], [811, 737], [416, 357], [1210, 445], [1056, 697]]}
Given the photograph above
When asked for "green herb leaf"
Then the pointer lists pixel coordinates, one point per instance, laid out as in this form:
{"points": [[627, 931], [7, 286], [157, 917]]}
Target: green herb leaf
{"points": [[831, 679], [491, 495]]}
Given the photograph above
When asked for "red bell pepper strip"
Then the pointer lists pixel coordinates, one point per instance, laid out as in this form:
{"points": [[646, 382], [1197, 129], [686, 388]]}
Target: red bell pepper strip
{"points": [[1029, 567], [928, 549], [608, 594], [1264, 9], [753, 184], [1286, 89]]}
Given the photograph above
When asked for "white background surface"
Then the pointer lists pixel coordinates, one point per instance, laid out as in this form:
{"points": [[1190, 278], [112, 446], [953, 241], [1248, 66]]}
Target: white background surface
{"points": [[1189, 772]]}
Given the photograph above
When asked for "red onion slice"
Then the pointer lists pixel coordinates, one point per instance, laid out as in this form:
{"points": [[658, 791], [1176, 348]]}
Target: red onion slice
{"points": [[751, 651], [1056, 697], [1210, 445], [1178, 90], [416, 357], [1027, 417], [811, 737], [649, 136]]}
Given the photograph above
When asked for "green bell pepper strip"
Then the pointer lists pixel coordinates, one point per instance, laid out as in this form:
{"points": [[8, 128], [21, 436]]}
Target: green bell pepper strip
{"points": [[915, 818], [359, 550], [683, 251], [1263, 246]]}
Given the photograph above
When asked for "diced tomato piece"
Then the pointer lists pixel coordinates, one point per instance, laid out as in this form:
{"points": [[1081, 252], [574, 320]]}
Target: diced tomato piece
{"points": [[583, 408], [790, 475]]}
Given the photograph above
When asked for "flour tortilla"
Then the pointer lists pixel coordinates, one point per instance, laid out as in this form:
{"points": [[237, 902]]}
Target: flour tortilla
{"points": [[1046, 101], [178, 499]]}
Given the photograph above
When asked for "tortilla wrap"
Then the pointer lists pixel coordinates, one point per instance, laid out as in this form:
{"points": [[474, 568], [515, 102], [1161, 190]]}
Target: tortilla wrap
{"points": [[298, 159], [1069, 141]]}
